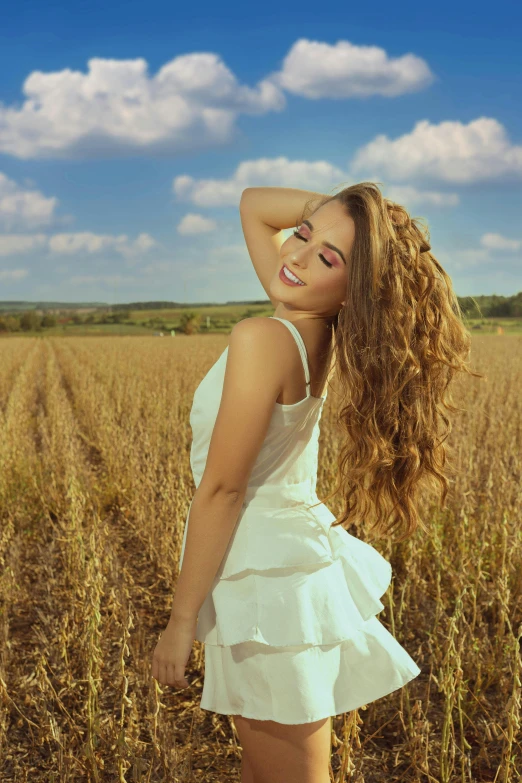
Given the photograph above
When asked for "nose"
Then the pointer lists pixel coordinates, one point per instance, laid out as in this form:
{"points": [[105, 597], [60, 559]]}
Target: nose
{"points": [[295, 258]]}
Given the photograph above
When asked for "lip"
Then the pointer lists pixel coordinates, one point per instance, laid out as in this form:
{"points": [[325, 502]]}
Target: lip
{"points": [[284, 279]]}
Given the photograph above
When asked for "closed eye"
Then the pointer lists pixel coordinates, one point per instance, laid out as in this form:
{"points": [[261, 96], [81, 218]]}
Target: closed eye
{"points": [[323, 259]]}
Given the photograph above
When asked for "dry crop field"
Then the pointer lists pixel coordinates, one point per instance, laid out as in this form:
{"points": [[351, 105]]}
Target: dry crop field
{"points": [[95, 485]]}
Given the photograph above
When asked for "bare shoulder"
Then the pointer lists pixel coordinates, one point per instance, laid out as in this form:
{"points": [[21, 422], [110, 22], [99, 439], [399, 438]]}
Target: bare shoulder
{"points": [[251, 385], [254, 351], [261, 329], [268, 338]]}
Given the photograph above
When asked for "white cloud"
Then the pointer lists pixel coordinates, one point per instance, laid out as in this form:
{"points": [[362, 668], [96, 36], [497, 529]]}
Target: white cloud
{"points": [[133, 250], [319, 176], [192, 102], [13, 274], [22, 208], [79, 242], [88, 242], [490, 254], [14, 244], [315, 69], [82, 241], [192, 223], [450, 151], [145, 242], [411, 197], [498, 242]]}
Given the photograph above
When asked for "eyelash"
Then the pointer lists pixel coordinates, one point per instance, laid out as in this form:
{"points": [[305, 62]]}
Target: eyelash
{"points": [[323, 259]]}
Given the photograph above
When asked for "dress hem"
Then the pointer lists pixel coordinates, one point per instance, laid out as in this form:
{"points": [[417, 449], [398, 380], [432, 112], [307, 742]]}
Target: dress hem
{"points": [[413, 674]]}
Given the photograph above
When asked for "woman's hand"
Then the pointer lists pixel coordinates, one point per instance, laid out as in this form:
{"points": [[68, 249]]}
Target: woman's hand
{"points": [[173, 651]]}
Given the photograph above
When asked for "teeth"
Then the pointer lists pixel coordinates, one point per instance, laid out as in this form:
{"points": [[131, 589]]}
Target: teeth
{"points": [[291, 276]]}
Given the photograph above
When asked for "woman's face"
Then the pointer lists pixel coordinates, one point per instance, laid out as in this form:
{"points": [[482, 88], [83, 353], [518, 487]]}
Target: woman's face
{"points": [[322, 270]]}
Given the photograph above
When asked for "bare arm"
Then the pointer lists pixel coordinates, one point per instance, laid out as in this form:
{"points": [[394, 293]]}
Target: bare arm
{"points": [[278, 207], [264, 212], [211, 522], [253, 380]]}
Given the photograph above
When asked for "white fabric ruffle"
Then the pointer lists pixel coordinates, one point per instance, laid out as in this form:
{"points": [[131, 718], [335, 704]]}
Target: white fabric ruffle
{"points": [[302, 684], [290, 627], [289, 578]]}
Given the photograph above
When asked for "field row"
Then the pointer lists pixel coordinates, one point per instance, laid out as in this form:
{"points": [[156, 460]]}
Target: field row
{"points": [[95, 485]]}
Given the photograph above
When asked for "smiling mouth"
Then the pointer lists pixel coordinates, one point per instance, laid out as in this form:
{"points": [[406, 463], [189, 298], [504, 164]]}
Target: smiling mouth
{"points": [[291, 276]]}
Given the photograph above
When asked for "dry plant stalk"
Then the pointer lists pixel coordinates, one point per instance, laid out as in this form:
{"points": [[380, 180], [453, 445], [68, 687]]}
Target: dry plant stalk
{"points": [[95, 485]]}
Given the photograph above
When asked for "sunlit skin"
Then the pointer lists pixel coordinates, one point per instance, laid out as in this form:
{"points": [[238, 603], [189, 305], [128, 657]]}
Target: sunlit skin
{"points": [[325, 286]]}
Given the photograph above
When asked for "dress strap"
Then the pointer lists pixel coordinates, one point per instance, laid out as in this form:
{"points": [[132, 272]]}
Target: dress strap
{"points": [[302, 349]]}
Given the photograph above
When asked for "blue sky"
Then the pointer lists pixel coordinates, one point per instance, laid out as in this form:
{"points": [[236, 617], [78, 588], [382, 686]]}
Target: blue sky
{"points": [[128, 132]]}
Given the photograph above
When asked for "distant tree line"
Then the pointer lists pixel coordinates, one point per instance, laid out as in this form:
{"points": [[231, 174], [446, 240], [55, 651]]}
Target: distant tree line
{"points": [[491, 306], [180, 305], [31, 321], [190, 321], [148, 306]]}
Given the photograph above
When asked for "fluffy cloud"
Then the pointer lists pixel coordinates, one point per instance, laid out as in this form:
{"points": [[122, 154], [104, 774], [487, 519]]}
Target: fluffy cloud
{"points": [[87, 242], [195, 224], [317, 175], [315, 69], [498, 242], [450, 152], [14, 244], [73, 243], [320, 176], [413, 197], [83, 241], [191, 103], [21, 207], [495, 251]]}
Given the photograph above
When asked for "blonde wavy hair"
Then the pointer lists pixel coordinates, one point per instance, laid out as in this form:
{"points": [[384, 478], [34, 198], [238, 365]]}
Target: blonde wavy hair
{"points": [[398, 342]]}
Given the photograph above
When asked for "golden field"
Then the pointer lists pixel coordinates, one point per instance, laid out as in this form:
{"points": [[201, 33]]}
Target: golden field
{"points": [[95, 485]]}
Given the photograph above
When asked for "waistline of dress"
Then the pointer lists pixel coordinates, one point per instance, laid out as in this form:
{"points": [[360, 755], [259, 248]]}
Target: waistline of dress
{"points": [[281, 495]]}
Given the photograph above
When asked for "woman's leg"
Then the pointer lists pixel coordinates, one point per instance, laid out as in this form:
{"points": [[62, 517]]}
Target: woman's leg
{"points": [[284, 753], [247, 775]]}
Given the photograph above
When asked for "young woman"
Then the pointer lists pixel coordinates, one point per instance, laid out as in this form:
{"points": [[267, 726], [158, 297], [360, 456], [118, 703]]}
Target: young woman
{"points": [[284, 598]]}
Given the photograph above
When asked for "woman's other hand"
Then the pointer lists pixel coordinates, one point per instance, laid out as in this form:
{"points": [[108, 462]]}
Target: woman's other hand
{"points": [[172, 653]]}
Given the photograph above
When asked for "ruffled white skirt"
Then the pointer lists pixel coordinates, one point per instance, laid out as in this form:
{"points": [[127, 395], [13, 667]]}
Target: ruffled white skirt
{"points": [[289, 625], [304, 683]]}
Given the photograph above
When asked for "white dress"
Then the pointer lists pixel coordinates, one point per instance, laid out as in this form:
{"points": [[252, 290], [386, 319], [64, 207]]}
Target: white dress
{"points": [[289, 624]]}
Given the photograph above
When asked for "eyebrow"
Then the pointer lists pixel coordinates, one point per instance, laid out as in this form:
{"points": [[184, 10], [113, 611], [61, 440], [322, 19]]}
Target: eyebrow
{"points": [[326, 244]]}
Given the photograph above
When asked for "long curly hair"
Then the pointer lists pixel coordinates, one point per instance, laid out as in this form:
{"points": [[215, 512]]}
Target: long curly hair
{"points": [[398, 342]]}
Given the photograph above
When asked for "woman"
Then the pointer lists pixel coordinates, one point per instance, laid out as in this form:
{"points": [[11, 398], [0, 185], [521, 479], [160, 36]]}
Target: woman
{"points": [[284, 598]]}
